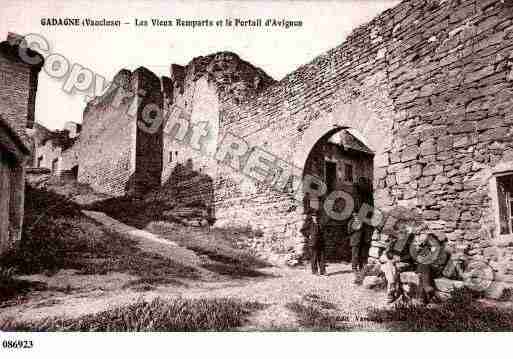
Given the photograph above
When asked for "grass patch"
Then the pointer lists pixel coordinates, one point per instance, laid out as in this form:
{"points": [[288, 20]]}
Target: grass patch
{"points": [[58, 236], [157, 315], [133, 211], [149, 283], [222, 257], [319, 302], [48, 220], [78, 243], [317, 314], [220, 246], [460, 313]]}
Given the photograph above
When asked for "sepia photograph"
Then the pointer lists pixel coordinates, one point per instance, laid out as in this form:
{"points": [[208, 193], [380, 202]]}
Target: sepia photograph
{"points": [[255, 166]]}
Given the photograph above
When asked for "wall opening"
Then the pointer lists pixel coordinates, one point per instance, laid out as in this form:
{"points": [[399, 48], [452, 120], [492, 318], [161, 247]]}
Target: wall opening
{"points": [[54, 165], [505, 202], [343, 163], [331, 176], [74, 172]]}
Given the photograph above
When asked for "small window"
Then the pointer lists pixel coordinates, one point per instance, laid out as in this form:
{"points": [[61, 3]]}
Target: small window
{"points": [[505, 200], [170, 156], [74, 172], [54, 165], [39, 161], [348, 173], [289, 187]]}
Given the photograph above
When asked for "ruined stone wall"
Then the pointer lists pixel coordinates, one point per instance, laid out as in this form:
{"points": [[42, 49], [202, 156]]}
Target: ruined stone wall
{"points": [[149, 137], [50, 146], [428, 86], [194, 94], [49, 152], [106, 146]]}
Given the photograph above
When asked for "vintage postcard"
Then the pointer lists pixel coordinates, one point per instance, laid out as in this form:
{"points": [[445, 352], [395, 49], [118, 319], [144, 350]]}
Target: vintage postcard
{"points": [[255, 166]]}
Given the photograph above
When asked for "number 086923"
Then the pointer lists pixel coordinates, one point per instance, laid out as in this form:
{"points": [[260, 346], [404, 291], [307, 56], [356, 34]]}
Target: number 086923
{"points": [[17, 344]]}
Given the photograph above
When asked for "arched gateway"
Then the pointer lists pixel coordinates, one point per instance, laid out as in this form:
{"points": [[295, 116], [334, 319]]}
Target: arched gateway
{"points": [[338, 177]]}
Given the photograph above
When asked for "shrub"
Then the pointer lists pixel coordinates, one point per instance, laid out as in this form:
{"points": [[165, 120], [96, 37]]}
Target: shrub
{"points": [[461, 313], [44, 228], [11, 287], [40, 247]]}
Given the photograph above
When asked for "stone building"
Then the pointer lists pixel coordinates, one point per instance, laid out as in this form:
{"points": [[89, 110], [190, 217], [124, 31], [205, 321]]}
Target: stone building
{"points": [[420, 101], [18, 86], [50, 147]]}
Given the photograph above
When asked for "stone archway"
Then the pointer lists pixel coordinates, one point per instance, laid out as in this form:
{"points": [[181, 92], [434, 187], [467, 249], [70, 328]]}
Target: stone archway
{"points": [[342, 165], [372, 130], [363, 122]]}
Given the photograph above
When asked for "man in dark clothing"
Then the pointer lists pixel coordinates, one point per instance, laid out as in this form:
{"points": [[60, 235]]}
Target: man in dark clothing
{"points": [[427, 255], [311, 230], [360, 240]]}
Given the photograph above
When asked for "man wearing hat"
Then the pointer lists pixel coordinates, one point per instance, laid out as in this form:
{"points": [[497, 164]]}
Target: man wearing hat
{"points": [[311, 230]]}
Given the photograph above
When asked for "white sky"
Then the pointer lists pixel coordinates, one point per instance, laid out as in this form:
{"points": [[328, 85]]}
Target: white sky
{"points": [[107, 50]]}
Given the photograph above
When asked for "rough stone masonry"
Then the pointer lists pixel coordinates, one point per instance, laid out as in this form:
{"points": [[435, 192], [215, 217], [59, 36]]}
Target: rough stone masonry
{"points": [[426, 86]]}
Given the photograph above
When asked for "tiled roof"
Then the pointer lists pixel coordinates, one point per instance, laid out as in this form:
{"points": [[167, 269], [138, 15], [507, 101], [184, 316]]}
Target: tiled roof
{"points": [[349, 142]]}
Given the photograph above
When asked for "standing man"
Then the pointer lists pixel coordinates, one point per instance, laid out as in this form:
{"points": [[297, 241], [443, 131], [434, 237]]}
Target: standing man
{"points": [[359, 239], [311, 230]]}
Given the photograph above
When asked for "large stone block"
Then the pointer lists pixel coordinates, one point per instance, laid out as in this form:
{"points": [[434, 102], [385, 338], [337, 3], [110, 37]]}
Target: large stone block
{"points": [[494, 134], [403, 176], [410, 153], [464, 127], [372, 281], [447, 285], [410, 277], [473, 76], [430, 214], [391, 180], [432, 169], [450, 213], [428, 147], [425, 181]]}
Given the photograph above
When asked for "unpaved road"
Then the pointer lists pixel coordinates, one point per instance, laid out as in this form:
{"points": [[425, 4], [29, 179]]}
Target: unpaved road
{"points": [[282, 286]]}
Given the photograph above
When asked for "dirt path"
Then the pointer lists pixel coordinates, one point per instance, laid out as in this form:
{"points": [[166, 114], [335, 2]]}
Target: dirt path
{"points": [[282, 287], [296, 286]]}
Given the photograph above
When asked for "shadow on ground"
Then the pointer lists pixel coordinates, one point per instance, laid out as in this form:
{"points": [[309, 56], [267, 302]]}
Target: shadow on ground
{"points": [[15, 288], [216, 248]]}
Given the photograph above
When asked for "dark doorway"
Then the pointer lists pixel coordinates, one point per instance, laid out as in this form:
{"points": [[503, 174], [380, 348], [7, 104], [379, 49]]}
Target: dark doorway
{"points": [[331, 176], [344, 164], [74, 172]]}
